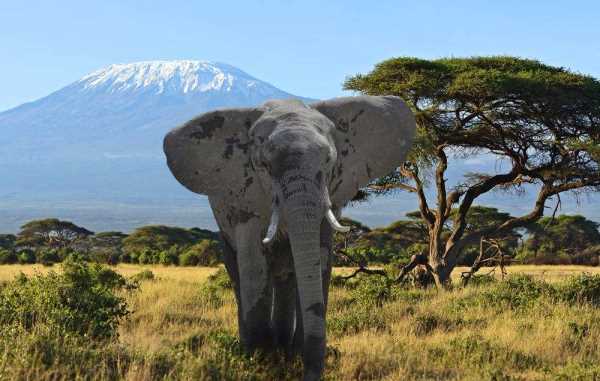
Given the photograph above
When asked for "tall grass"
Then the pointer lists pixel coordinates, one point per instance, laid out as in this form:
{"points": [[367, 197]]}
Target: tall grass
{"points": [[540, 327]]}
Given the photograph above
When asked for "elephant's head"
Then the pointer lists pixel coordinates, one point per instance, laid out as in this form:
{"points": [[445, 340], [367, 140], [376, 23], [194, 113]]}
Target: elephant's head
{"points": [[290, 166]]}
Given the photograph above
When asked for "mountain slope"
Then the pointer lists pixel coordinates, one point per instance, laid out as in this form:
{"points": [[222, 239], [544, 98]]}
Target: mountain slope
{"points": [[124, 110], [92, 151]]}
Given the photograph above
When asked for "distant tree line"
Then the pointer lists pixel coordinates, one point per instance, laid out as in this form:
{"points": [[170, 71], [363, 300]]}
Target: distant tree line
{"points": [[563, 239], [51, 240]]}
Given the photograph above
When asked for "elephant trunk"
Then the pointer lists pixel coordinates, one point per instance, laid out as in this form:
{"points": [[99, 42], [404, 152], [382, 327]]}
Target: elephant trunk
{"points": [[304, 212]]}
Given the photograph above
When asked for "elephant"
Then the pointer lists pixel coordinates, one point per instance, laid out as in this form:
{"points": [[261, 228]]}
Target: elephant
{"points": [[284, 171]]}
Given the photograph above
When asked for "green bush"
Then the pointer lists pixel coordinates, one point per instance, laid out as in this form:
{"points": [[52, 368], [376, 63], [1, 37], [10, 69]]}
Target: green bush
{"points": [[221, 280], [47, 257], [82, 300], [7, 257], [213, 289], [372, 290], [481, 280], [517, 291], [44, 353], [189, 258], [26, 257], [169, 257], [142, 276], [356, 319], [204, 253], [582, 288]]}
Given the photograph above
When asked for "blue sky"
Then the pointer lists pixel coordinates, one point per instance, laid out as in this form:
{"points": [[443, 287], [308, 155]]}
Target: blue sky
{"points": [[304, 47]]}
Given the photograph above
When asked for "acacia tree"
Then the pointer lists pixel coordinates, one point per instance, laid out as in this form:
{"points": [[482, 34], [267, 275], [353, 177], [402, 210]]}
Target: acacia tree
{"points": [[543, 121], [50, 232], [565, 234]]}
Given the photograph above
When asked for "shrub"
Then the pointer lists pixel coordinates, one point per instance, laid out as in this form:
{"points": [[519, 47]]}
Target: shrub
{"points": [[372, 290], [142, 276], [47, 257], [582, 288], [26, 257], [221, 279], [204, 253], [81, 299], [212, 290], [189, 258], [356, 319], [7, 257], [481, 280], [517, 291], [169, 256]]}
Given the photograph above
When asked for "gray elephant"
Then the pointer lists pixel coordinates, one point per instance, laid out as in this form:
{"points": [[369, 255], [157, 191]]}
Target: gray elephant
{"points": [[283, 171]]}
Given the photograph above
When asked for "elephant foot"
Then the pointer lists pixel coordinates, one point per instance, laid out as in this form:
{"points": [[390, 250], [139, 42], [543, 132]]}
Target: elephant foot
{"points": [[314, 358]]}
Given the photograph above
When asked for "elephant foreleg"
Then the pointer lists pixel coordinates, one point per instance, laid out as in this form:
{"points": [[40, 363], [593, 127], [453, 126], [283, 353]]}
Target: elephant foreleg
{"points": [[256, 291], [284, 303]]}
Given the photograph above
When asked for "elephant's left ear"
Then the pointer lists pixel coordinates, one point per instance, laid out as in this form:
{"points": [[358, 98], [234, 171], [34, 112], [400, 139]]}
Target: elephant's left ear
{"points": [[373, 136]]}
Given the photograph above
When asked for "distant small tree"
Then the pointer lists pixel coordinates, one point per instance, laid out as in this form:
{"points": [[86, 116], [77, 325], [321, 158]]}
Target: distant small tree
{"points": [[542, 121], [567, 235], [7, 241], [26, 256], [50, 232], [204, 253], [105, 247], [7, 257], [157, 238]]}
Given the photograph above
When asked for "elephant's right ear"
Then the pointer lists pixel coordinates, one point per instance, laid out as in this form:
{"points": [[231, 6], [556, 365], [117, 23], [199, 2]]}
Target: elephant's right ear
{"points": [[210, 153]]}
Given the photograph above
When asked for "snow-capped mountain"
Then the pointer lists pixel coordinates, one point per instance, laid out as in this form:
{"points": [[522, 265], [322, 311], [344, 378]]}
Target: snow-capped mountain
{"points": [[123, 110], [174, 77], [97, 143]]}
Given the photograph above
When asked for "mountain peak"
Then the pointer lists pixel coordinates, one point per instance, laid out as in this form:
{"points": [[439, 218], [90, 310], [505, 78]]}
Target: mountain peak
{"points": [[179, 76]]}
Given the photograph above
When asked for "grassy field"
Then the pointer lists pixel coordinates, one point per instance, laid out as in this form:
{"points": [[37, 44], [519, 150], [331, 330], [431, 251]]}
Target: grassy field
{"points": [[494, 331]]}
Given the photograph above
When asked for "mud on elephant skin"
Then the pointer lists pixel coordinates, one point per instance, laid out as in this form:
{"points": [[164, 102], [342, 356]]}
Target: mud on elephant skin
{"points": [[276, 177]]}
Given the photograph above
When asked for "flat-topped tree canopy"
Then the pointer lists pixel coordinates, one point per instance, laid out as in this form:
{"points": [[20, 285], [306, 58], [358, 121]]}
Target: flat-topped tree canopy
{"points": [[544, 120]]}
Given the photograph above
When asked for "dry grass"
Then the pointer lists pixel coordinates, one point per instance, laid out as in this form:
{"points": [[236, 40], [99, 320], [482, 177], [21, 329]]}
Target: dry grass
{"points": [[420, 335]]}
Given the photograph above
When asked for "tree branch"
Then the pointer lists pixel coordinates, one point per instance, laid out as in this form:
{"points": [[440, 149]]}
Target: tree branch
{"points": [[413, 173]]}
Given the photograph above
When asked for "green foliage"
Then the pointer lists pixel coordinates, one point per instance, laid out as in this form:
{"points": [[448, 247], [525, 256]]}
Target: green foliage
{"points": [[516, 292], [204, 253], [105, 247], [372, 290], [566, 236], [143, 275], [50, 232], [169, 256], [481, 280], [473, 349], [216, 285], [45, 353], [7, 257], [157, 238], [496, 106], [583, 288], [81, 300], [26, 257], [7, 241], [354, 320], [47, 257], [221, 280]]}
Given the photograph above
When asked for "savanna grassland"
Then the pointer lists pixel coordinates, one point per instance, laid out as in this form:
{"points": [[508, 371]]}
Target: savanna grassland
{"points": [[541, 323]]}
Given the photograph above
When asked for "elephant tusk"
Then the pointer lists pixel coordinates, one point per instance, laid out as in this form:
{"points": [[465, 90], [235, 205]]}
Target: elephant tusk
{"points": [[335, 224], [272, 227]]}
